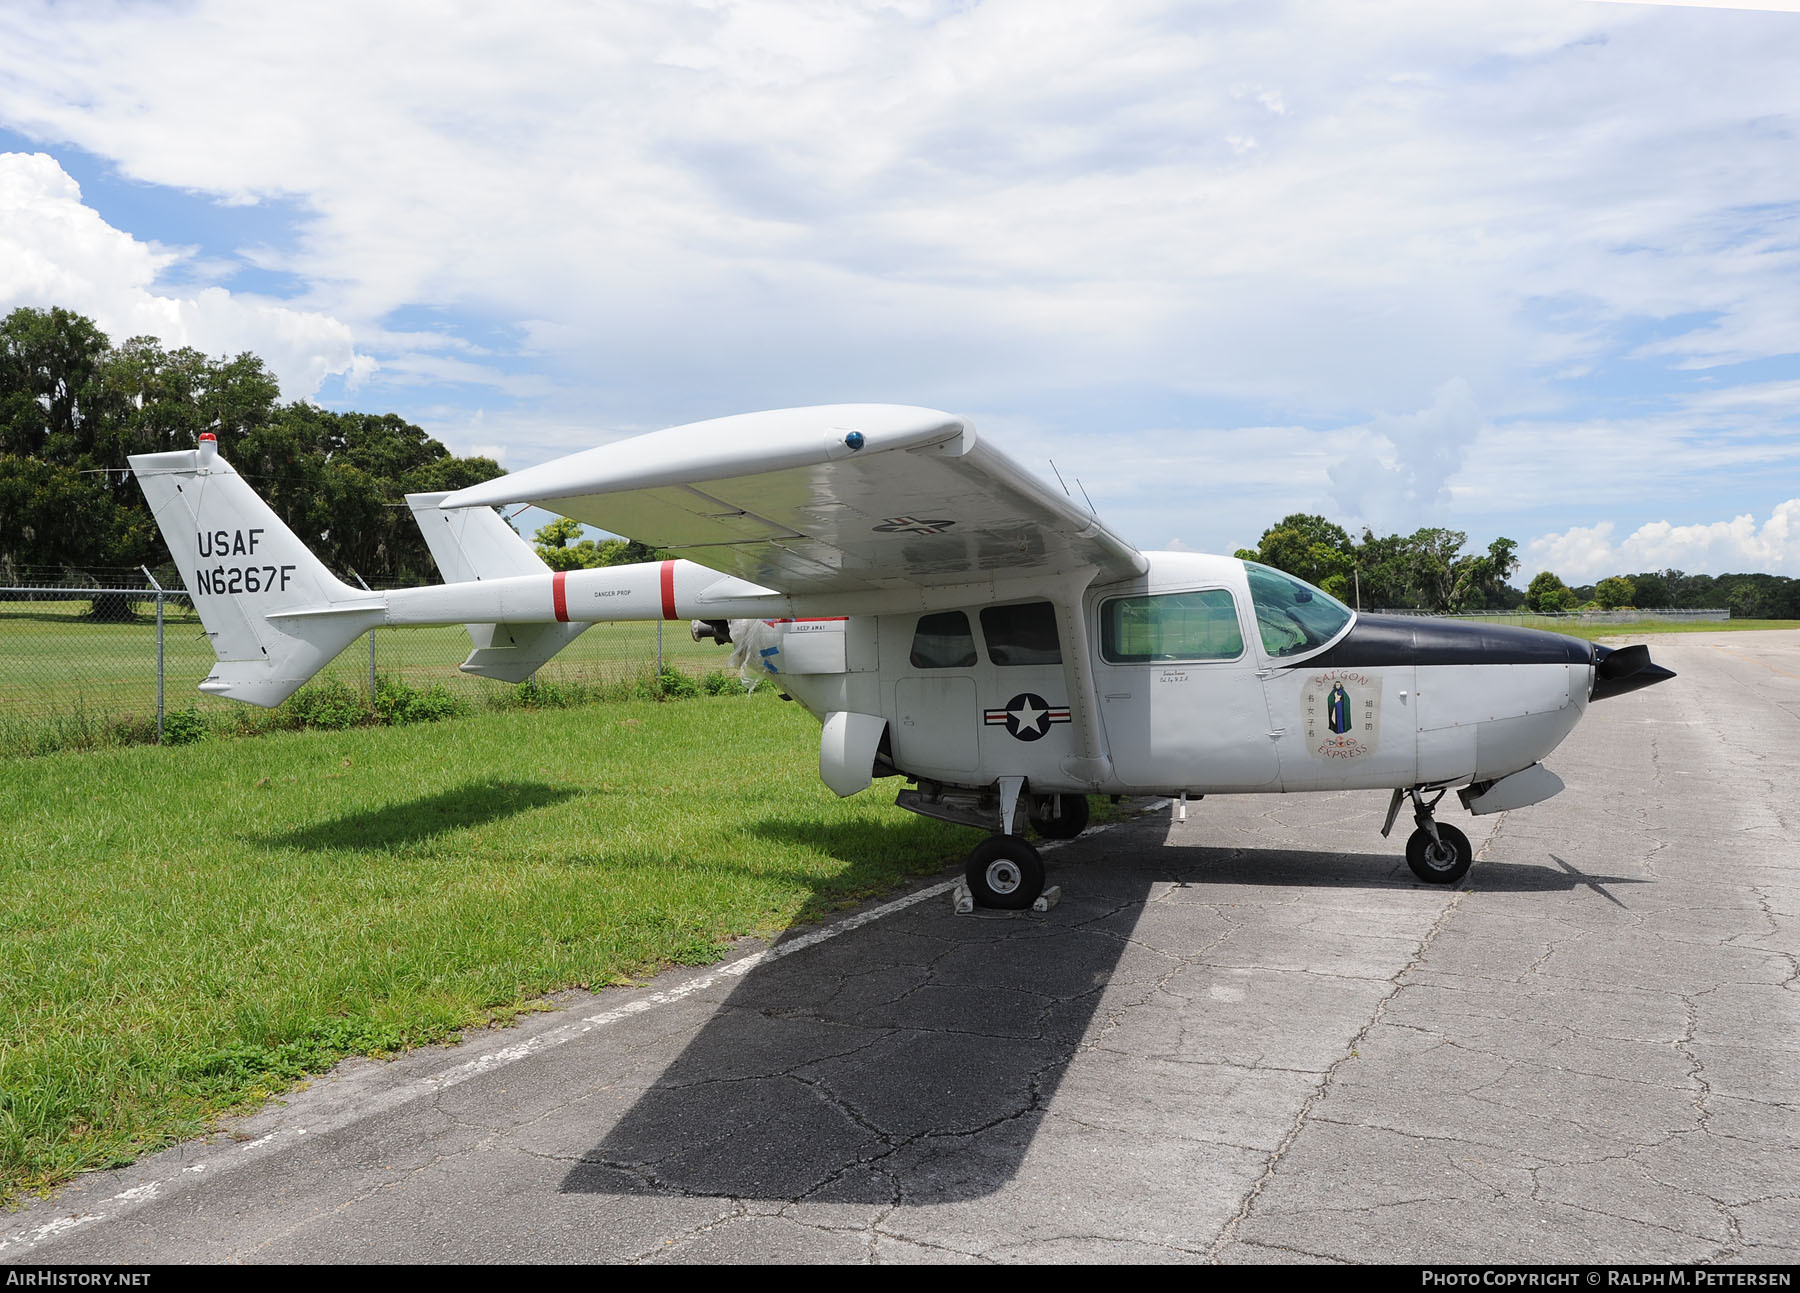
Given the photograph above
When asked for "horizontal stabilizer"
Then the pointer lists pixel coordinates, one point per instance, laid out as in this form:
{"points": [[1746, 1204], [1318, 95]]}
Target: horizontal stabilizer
{"points": [[372, 612], [516, 651]]}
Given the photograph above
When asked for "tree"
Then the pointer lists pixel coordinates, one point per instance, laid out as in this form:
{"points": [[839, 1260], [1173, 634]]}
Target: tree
{"points": [[1306, 546], [50, 371], [1548, 593], [1479, 580], [557, 546], [1382, 570], [1652, 589], [73, 408], [1433, 556], [1614, 592], [631, 553], [1426, 569], [51, 515]]}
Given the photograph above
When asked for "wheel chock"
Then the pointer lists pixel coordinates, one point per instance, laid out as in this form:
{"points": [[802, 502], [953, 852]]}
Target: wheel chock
{"points": [[963, 902]]}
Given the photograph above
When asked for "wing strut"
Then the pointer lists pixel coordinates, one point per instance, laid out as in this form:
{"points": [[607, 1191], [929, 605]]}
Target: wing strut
{"points": [[1090, 761]]}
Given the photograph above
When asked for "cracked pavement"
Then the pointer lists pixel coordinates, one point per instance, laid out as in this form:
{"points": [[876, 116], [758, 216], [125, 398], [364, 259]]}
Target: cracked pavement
{"points": [[1251, 1037]]}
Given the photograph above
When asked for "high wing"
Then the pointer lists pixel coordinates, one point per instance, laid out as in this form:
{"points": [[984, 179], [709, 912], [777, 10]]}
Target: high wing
{"points": [[834, 499]]}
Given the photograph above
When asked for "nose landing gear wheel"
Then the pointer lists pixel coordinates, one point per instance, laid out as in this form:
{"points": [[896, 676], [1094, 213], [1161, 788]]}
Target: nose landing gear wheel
{"points": [[1005, 872], [1444, 860]]}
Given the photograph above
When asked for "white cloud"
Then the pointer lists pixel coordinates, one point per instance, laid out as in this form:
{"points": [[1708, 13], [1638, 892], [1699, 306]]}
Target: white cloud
{"points": [[950, 200], [1781, 399], [1398, 470], [1774, 6], [54, 251], [1583, 554]]}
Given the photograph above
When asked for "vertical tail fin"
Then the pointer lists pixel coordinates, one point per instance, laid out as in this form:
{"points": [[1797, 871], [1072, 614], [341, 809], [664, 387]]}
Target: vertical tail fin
{"points": [[275, 614], [474, 543]]}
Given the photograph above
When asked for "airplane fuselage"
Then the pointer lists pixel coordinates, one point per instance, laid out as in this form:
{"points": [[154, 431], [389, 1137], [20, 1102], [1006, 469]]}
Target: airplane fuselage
{"points": [[1197, 690]]}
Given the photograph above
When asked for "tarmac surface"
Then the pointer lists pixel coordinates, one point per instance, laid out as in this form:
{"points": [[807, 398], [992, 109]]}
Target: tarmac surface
{"points": [[1251, 1037]]}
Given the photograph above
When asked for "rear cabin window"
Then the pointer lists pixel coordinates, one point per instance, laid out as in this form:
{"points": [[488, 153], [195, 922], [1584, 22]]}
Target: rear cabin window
{"points": [[943, 642], [1200, 625], [1024, 634]]}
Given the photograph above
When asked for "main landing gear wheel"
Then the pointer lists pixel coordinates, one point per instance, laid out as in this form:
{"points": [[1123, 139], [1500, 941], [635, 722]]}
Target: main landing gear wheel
{"points": [[1072, 822], [1005, 872], [1444, 860]]}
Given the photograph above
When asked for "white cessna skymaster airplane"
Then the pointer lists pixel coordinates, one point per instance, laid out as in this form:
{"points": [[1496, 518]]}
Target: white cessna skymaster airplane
{"points": [[949, 619]]}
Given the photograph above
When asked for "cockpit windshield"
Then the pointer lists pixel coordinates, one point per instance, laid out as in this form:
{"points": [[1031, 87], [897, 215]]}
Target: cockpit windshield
{"points": [[1292, 616]]}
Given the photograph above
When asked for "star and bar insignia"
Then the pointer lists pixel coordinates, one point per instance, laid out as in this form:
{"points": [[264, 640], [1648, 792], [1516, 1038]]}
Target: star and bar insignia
{"points": [[912, 525], [1028, 716]]}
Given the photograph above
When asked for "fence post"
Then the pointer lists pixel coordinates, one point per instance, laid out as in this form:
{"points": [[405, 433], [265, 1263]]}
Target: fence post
{"points": [[659, 625], [159, 651], [367, 589]]}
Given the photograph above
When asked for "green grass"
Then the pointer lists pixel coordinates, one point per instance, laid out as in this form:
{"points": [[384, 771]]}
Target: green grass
{"points": [[186, 930], [1639, 628], [68, 682]]}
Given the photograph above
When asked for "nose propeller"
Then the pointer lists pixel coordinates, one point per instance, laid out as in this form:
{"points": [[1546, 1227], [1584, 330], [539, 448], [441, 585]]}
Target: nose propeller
{"points": [[1622, 669]]}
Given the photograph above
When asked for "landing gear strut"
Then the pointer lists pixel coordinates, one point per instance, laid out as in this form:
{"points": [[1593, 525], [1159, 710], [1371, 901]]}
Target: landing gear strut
{"points": [[1437, 854], [1004, 871]]}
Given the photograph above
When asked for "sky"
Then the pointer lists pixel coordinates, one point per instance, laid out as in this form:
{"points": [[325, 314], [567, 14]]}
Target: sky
{"points": [[1529, 268]]}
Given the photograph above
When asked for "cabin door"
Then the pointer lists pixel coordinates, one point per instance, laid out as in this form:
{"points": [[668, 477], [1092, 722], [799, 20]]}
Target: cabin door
{"points": [[1180, 695]]}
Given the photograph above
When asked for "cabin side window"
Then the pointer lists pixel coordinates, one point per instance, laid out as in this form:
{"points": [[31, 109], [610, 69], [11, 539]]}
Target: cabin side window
{"points": [[1201, 625], [1023, 634], [943, 642]]}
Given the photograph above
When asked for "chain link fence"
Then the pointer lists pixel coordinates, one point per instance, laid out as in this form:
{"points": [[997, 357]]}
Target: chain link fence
{"points": [[77, 658]]}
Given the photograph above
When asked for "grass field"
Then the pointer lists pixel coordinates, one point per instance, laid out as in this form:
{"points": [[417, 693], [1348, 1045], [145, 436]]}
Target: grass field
{"points": [[1643, 628], [183, 930], [58, 668]]}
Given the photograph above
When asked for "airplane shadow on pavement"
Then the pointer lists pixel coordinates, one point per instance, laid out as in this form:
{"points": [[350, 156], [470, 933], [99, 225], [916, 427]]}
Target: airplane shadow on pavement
{"points": [[915, 1058]]}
